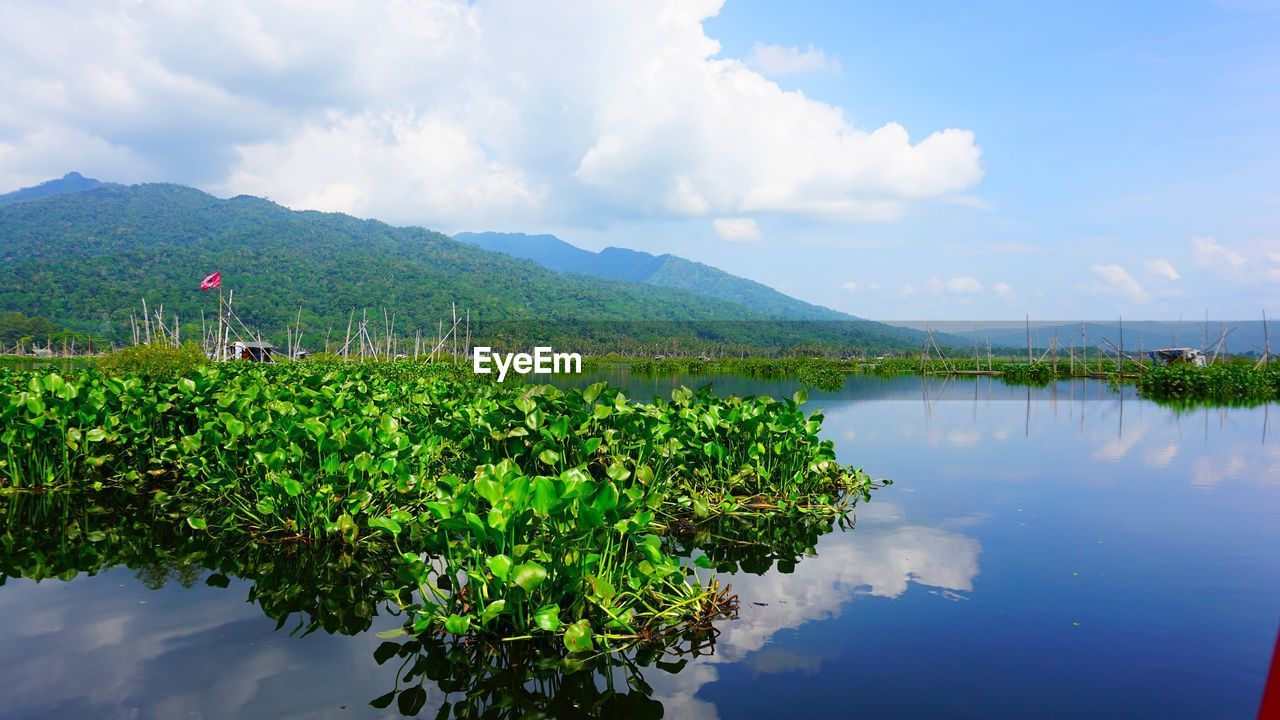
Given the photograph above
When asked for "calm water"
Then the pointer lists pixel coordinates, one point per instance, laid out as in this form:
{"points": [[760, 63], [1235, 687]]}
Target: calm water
{"points": [[1058, 552]]}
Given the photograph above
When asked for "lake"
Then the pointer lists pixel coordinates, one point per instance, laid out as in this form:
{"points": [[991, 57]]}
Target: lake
{"points": [[1063, 551]]}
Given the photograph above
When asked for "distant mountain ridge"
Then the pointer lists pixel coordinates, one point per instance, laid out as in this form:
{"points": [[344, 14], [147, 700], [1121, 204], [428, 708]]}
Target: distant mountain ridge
{"points": [[664, 270], [72, 182], [85, 257], [1237, 336]]}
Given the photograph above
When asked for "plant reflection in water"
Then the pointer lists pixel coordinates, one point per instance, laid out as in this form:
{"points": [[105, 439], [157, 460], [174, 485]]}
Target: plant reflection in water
{"points": [[341, 589]]}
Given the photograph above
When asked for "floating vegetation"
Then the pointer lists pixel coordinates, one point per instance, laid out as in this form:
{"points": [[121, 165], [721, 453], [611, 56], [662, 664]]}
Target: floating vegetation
{"points": [[1220, 383], [811, 372], [517, 512], [1227, 382], [1039, 373]]}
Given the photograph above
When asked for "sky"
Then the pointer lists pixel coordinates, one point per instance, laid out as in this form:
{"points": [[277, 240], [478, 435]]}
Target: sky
{"points": [[898, 161]]}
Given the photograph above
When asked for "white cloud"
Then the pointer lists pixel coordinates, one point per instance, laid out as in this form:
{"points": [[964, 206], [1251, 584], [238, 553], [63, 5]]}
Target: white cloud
{"points": [[1163, 269], [1002, 288], [335, 166], [854, 286], [1209, 251], [776, 60], [447, 112], [963, 285], [1118, 280], [737, 229]]}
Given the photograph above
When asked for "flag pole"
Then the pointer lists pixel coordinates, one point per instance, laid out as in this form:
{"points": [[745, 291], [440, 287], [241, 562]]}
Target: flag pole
{"points": [[217, 348]]}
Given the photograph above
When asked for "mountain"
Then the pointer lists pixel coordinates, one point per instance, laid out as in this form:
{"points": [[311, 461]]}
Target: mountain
{"points": [[72, 182], [1239, 336], [666, 270], [87, 259]]}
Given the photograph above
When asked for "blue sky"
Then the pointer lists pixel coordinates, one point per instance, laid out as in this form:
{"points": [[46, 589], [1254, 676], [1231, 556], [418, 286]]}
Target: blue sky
{"points": [[894, 160]]}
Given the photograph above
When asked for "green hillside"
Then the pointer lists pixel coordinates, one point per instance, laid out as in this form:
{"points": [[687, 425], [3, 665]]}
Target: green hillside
{"points": [[85, 260], [665, 270]]}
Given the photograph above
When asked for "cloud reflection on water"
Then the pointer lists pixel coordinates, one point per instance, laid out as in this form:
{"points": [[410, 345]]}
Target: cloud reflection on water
{"points": [[881, 558]]}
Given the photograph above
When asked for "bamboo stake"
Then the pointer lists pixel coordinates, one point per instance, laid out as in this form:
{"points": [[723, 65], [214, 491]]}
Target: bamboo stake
{"points": [[348, 342], [1266, 336], [1029, 361]]}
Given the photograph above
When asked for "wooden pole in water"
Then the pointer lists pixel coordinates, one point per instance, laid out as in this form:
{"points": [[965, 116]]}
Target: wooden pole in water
{"points": [[1084, 349], [925, 350], [1120, 350], [1266, 338], [1029, 361]]}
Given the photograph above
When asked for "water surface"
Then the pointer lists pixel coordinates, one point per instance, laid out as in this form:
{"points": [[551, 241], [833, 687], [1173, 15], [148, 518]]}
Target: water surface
{"points": [[1043, 552]]}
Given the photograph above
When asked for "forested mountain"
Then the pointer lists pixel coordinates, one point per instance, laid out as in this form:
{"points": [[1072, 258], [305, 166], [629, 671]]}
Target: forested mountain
{"points": [[72, 182], [662, 270], [87, 259]]}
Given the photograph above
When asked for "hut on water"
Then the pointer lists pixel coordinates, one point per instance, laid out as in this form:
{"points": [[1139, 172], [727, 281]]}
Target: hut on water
{"points": [[1178, 356], [252, 350]]}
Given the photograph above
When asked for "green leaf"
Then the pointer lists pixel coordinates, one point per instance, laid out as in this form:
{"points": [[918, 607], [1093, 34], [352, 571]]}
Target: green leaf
{"points": [[197, 523], [606, 499], [391, 526], [529, 575], [602, 588], [492, 610], [292, 487], [346, 524], [546, 497], [550, 457], [548, 617], [500, 566], [457, 624], [388, 424], [266, 507], [560, 428], [700, 508], [578, 637], [800, 397], [593, 392]]}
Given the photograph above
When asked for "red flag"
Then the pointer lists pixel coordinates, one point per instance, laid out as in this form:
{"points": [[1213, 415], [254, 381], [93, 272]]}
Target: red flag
{"points": [[211, 282]]}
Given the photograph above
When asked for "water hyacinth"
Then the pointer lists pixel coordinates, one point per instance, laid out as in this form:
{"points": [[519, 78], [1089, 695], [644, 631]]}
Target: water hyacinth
{"points": [[517, 511]]}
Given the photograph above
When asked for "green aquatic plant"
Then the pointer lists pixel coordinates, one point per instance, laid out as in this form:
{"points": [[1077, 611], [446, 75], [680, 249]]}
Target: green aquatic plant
{"points": [[1219, 383], [153, 359], [513, 511]]}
